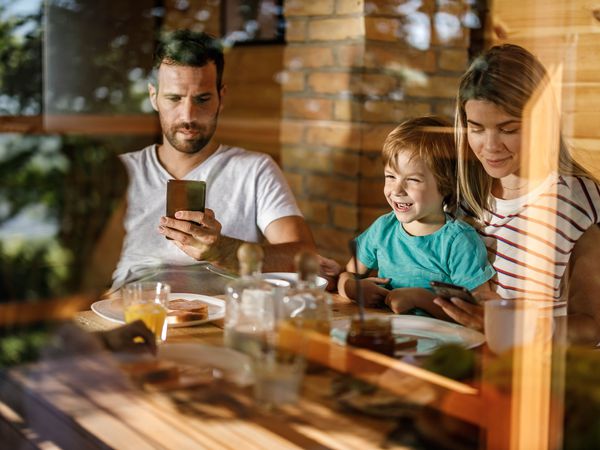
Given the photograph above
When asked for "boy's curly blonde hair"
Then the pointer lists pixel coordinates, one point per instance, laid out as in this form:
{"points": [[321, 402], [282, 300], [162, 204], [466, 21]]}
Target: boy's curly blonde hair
{"points": [[430, 138]]}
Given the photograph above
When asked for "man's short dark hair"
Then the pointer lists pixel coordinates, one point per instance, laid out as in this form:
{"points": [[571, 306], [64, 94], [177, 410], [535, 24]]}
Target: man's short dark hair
{"points": [[190, 48]]}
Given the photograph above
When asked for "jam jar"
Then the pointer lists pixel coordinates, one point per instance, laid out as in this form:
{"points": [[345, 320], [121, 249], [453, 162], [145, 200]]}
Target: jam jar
{"points": [[373, 333]]}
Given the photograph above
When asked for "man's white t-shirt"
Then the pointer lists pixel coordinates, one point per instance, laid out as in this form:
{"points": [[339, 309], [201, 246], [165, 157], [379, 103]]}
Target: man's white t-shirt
{"points": [[246, 190]]}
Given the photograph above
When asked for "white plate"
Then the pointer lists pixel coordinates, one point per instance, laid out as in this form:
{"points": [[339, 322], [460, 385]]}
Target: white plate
{"points": [[430, 333], [291, 278], [112, 309]]}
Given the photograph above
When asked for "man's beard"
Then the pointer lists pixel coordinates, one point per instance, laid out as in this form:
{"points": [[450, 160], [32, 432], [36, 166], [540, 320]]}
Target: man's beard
{"points": [[194, 145]]}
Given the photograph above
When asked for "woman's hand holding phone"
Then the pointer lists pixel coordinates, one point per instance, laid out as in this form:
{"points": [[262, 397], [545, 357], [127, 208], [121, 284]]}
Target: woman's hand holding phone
{"points": [[465, 312], [447, 291], [462, 312]]}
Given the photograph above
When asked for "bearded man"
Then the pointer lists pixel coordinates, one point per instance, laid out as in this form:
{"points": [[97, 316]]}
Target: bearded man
{"points": [[247, 197]]}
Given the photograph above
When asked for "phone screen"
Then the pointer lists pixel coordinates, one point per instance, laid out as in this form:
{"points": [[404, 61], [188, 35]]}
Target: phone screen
{"points": [[185, 195]]}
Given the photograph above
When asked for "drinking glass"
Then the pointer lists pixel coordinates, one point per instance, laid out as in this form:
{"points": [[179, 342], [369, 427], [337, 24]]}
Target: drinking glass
{"points": [[516, 323], [279, 368], [147, 301], [278, 375]]}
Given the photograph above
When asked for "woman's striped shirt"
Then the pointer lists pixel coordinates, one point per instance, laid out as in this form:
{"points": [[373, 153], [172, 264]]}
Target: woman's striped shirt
{"points": [[530, 239]]}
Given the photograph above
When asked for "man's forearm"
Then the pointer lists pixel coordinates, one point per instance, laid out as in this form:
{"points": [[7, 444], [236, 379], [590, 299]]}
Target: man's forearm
{"points": [[224, 253], [278, 257]]}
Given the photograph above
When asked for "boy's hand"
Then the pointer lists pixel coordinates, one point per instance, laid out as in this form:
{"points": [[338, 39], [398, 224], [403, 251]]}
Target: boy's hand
{"points": [[373, 294], [398, 301]]}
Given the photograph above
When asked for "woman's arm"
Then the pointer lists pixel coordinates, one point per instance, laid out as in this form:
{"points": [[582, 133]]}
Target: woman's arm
{"points": [[584, 289], [583, 294]]}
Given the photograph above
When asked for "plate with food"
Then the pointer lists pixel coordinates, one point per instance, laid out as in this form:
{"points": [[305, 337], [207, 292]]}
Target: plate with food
{"points": [[184, 309], [417, 335]]}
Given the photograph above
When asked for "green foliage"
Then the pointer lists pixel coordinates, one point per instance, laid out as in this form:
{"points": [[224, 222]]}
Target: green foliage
{"points": [[582, 399], [20, 63], [73, 193], [70, 184], [27, 178], [32, 272], [453, 361], [581, 396], [22, 346], [100, 54]]}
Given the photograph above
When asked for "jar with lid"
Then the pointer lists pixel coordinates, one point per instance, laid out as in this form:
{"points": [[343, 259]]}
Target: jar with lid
{"points": [[249, 307]]}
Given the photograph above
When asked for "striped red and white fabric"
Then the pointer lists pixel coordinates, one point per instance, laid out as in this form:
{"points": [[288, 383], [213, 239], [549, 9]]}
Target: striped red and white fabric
{"points": [[530, 239]]}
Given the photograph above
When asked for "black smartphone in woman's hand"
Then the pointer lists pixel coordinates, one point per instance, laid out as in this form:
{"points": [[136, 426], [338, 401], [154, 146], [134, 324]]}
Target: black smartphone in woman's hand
{"points": [[447, 290]]}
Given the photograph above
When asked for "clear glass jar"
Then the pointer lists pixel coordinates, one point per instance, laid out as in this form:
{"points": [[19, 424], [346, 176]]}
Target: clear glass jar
{"points": [[308, 305], [374, 333], [249, 307]]}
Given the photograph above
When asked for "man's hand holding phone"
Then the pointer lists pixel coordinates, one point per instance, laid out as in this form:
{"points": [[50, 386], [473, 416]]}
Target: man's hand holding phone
{"points": [[185, 195], [195, 233], [192, 227]]}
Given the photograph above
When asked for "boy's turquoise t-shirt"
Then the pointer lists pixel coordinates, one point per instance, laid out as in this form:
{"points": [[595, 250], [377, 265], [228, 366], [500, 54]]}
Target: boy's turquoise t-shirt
{"points": [[453, 254]]}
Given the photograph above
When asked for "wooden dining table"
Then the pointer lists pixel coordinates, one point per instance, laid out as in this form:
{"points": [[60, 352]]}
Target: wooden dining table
{"points": [[88, 401]]}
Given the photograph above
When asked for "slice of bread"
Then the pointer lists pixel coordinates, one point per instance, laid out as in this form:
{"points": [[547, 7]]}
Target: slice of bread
{"points": [[180, 304], [181, 311], [177, 317]]}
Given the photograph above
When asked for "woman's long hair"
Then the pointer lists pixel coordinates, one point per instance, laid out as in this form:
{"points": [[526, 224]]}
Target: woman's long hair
{"points": [[509, 77]]}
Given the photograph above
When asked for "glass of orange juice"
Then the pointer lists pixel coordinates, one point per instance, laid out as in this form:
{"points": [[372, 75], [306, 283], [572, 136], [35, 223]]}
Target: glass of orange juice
{"points": [[147, 301]]}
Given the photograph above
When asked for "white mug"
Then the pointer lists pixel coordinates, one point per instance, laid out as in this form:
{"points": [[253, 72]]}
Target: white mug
{"points": [[517, 322]]}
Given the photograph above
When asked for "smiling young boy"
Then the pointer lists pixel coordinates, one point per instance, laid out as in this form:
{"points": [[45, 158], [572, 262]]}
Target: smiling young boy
{"points": [[418, 241]]}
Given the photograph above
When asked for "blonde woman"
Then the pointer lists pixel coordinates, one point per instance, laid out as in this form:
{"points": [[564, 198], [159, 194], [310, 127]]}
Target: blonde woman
{"points": [[535, 207]]}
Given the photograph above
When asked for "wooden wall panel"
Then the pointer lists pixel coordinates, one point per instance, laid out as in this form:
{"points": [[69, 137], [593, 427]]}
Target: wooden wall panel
{"points": [[566, 34]]}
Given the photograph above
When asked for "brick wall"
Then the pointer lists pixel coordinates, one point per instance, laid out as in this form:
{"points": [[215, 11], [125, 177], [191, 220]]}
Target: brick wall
{"points": [[252, 106], [352, 71]]}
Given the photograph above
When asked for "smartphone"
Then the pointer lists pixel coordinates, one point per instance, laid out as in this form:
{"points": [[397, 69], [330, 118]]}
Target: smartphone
{"points": [[447, 290], [185, 195]]}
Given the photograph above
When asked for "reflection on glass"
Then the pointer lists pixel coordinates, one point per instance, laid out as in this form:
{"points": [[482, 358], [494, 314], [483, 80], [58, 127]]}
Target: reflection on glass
{"points": [[97, 56]]}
